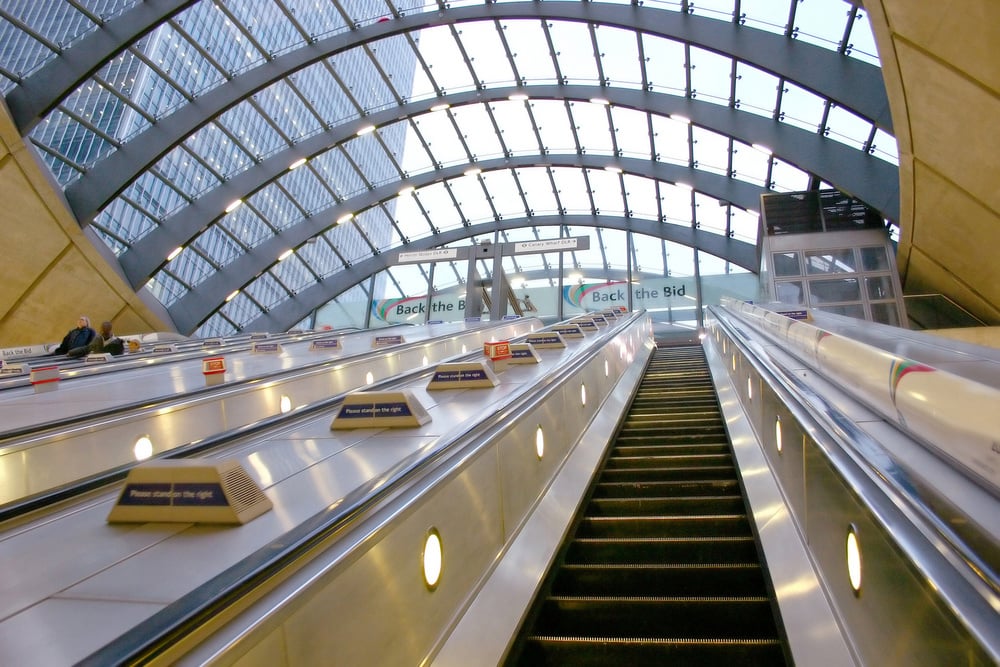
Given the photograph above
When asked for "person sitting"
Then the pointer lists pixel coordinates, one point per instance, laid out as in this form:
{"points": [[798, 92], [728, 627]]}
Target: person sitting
{"points": [[105, 341], [78, 337]]}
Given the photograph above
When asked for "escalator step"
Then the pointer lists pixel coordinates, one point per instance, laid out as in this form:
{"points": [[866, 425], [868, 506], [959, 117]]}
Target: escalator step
{"points": [[693, 473], [669, 460], [659, 617], [685, 579], [603, 651], [659, 550], [697, 525], [664, 488], [674, 505], [645, 450]]}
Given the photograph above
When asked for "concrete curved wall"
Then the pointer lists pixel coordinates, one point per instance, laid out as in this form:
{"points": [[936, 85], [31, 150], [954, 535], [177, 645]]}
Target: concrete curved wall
{"points": [[941, 67], [53, 271]]}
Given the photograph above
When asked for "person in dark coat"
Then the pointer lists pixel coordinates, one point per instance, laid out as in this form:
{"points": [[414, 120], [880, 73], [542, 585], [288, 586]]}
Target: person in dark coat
{"points": [[106, 341], [78, 337]]}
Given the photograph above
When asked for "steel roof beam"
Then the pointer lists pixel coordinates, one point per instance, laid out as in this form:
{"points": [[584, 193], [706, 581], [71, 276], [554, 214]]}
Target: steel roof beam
{"points": [[198, 304], [856, 173], [851, 83]]}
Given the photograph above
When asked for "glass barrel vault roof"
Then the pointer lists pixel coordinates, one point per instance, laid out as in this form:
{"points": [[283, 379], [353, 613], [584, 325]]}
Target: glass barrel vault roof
{"points": [[266, 148]]}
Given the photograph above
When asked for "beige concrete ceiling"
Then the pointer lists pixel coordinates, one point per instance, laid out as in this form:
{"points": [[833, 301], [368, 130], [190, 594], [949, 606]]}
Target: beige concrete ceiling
{"points": [[942, 72]]}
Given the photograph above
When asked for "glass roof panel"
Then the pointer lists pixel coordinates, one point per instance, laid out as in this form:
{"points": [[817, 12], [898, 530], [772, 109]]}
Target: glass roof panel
{"points": [[187, 174], [593, 128], [567, 38], [266, 291], [861, 42], [848, 128], [530, 48], [552, 120], [641, 196], [306, 188], [267, 25], [768, 15], [750, 164], [676, 204], [744, 224], [446, 146], [571, 188], [538, 190], [215, 243], [711, 216], [801, 108], [468, 192], [317, 17], [154, 195], [632, 132], [711, 76], [670, 139], [619, 51], [441, 54], [178, 57], [246, 226], [476, 129], [756, 90], [605, 188], [320, 258], [885, 147], [504, 194], [371, 159], [439, 207], [483, 45], [349, 242], [786, 177], [336, 170], [711, 151], [281, 103], [518, 134], [821, 23], [293, 274], [274, 206], [666, 65], [716, 9], [124, 221]]}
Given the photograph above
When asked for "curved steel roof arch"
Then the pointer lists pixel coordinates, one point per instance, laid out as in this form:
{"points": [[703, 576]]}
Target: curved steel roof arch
{"points": [[861, 175], [198, 304], [298, 306], [848, 82]]}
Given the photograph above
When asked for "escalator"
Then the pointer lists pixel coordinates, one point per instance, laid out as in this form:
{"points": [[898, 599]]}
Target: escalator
{"points": [[661, 566]]}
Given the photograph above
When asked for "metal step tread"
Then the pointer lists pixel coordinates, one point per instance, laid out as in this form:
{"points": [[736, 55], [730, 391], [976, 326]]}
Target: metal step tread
{"points": [[662, 641]]}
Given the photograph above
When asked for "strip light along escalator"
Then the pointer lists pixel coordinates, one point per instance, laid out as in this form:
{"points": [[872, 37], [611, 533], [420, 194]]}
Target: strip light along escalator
{"points": [[662, 565]]}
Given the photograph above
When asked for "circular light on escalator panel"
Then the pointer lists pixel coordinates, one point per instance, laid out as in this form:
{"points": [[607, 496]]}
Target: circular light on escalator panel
{"points": [[424, 361], [607, 370], [432, 559], [285, 405], [539, 442], [465, 350], [854, 559], [583, 394], [777, 433], [143, 448], [369, 378], [749, 389]]}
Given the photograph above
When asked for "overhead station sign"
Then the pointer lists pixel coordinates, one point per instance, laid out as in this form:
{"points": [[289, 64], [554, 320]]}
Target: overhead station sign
{"points": [[549, 245], [436, 255]]}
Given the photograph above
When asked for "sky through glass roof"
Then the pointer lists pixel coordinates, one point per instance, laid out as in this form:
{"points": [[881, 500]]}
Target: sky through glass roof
{"points": [[230, 137]]}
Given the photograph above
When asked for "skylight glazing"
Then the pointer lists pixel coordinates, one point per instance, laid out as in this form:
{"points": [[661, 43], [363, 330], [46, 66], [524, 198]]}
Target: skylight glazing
{"points": [[569, 149]]}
